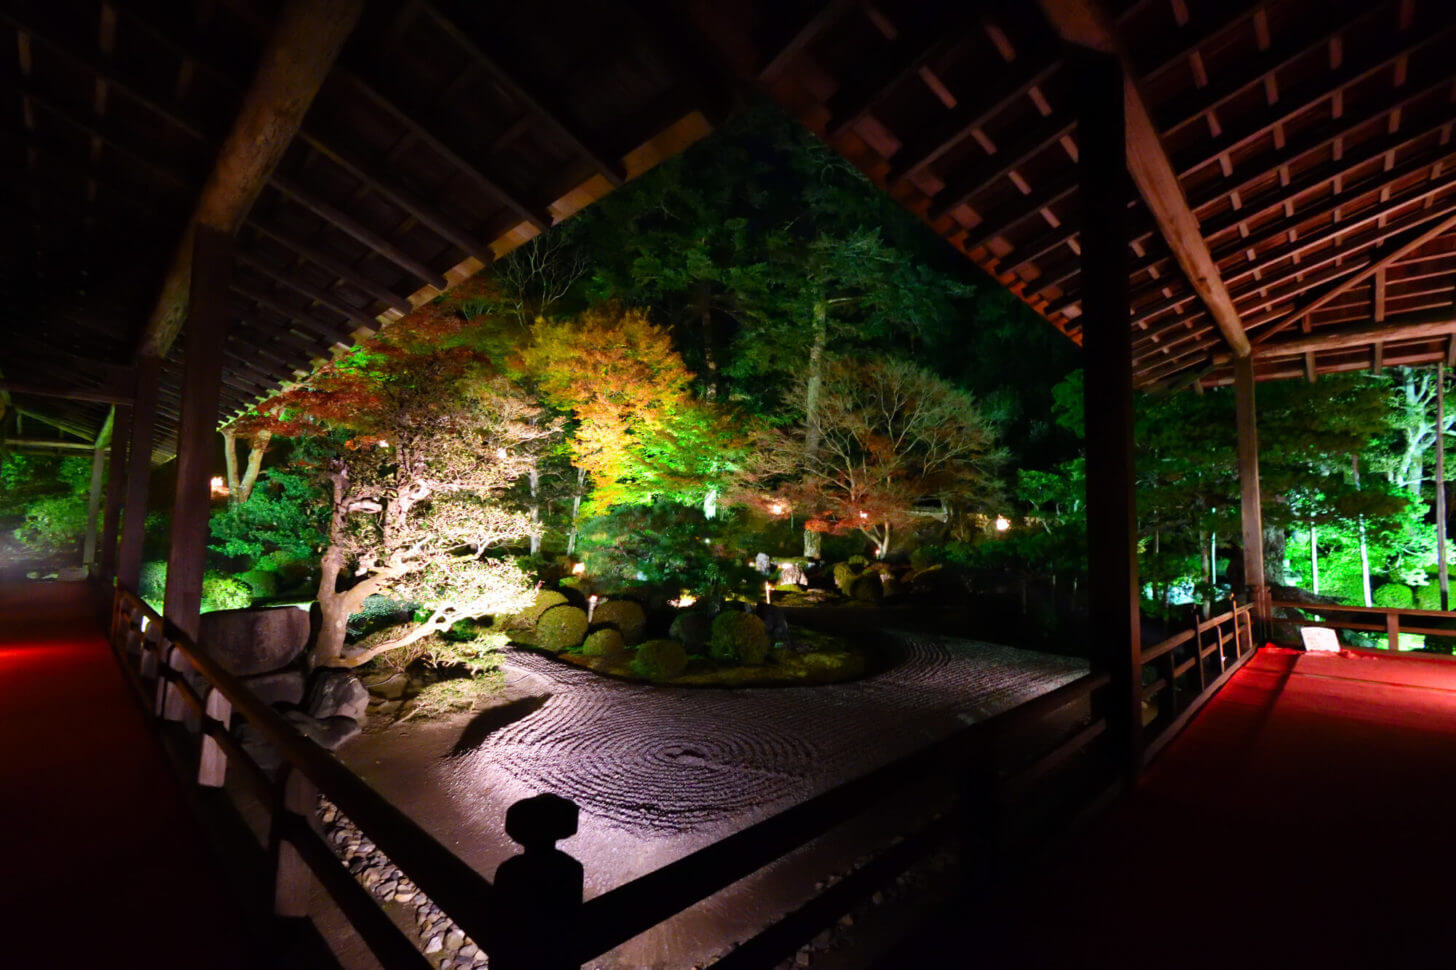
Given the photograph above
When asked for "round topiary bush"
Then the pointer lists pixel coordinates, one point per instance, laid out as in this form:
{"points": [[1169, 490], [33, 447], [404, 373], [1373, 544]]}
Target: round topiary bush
{"points": [[858, 562], [561, 628], [625, 615], [660, 659], [1394, 596], [606, 642], [692, 628], [844, 577], [545, 600], [866, 588], [739, 637]]}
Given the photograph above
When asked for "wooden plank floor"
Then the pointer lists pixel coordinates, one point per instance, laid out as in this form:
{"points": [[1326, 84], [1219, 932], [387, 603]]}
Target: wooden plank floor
{"points": [[1307, 818], [102, 863]]}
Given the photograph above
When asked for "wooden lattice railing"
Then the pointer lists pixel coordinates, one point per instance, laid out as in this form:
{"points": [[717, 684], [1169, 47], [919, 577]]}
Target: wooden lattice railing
{"points": [[1391, 621], [1184, 671], [1003, 784]]}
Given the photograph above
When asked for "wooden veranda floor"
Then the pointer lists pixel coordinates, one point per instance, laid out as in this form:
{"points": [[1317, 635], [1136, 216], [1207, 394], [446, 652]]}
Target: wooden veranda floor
{"points": [[103, 863], [1306, 818]]}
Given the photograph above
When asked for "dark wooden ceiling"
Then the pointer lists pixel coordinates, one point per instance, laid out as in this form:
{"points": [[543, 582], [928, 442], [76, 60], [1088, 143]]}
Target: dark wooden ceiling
{"points": [[1311, 140], [448, 133]]}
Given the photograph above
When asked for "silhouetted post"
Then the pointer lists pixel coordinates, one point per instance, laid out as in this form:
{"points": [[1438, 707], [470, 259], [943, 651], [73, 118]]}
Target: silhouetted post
{"points": [[115, 487], [538, 892], [212, 257], [1112, 571], [138, 472], [1444, 574]]}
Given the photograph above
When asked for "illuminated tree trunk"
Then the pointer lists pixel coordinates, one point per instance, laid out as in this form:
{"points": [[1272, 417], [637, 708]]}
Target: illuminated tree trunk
{"points": [[534, 476], [1314, 558], [230, 458], [813, 543], [703, 310], [240, 488], [576, 511], [1364, 545]]}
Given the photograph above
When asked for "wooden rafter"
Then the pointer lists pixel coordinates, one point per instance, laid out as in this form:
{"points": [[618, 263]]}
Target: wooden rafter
{"points": [[1084, 22]]}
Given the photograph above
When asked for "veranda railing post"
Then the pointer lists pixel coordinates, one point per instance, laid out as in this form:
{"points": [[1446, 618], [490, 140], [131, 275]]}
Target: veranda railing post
{"points": [[212, 762], [292, 879], [538, 911], [1392, 631]]}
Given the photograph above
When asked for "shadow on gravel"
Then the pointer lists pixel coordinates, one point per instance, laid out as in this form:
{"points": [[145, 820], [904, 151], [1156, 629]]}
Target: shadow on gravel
{"points": [[492, 720]]}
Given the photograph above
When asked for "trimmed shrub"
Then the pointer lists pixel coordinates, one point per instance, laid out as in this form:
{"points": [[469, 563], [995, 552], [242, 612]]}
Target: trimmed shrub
{"points": [[739, 637], [626, 616], [225, 593], [866, 588], [844, 577], [561, 628], [263, 582], [545, 599], [1394, 596], [606, 642], [858, 562], [1428, 597], [660, 659], [152, 581], [692, 628]]}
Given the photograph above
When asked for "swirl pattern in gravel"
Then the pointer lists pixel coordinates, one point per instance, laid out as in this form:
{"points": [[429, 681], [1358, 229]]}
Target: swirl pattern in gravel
{"points": [[661, 759]]}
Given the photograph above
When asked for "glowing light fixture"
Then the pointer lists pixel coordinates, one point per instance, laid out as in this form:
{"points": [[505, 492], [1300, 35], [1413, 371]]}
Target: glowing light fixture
{"points": [[768, 592], [864, 515], [1002, 523], [591, 606], [578, 569], [218, 487], [777, 508]]}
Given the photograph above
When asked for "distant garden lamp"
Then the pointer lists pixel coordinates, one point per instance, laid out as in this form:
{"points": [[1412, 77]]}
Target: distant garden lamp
{"points": [[218, 487], [591, 606], [768, 592], [777, 508], [578, 569], [1002, 523]]}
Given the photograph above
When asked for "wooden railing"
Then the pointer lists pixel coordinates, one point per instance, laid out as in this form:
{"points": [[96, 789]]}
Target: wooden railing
{"points": [[999, 785], [1389, 620], [1188, 668]]}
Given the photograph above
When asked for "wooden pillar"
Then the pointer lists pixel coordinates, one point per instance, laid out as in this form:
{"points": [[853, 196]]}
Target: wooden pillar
{"points": [[138, 472], [1251, 510], [93, 503], [115, 486], [1112, 571], [1445, 578], [204, 336]]}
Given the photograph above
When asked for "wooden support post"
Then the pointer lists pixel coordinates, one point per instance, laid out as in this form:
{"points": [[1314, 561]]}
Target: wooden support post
{"points": [[1251, 510], [1392, 631], [115, 486], [1112, 572], [1444, 574], [206, 334], [93, 509], [138, 472]]}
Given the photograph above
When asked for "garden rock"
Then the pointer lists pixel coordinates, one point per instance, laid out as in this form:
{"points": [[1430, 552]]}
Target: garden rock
{"points": [[763, 563], [328, 732], [775, 622], [337, 693], [792, 574], [254, 641], [692, 628], [278, 687]]}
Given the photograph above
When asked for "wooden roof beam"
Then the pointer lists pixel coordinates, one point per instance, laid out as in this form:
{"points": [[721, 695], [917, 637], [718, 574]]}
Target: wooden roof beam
{"points": [[1405, 327], [542, 104], [326, 300], [297, 57], [1086, 23], [361, 233], [1411, 243], [89, 394], [329, 263]]}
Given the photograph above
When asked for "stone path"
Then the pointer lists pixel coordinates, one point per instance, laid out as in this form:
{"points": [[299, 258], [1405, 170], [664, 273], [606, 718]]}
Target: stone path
{"points": [[692, 760]]}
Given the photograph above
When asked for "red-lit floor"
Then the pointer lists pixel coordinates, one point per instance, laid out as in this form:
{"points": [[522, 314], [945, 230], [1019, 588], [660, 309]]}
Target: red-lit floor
{"points": [[1307, 818], [100, 863]]}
